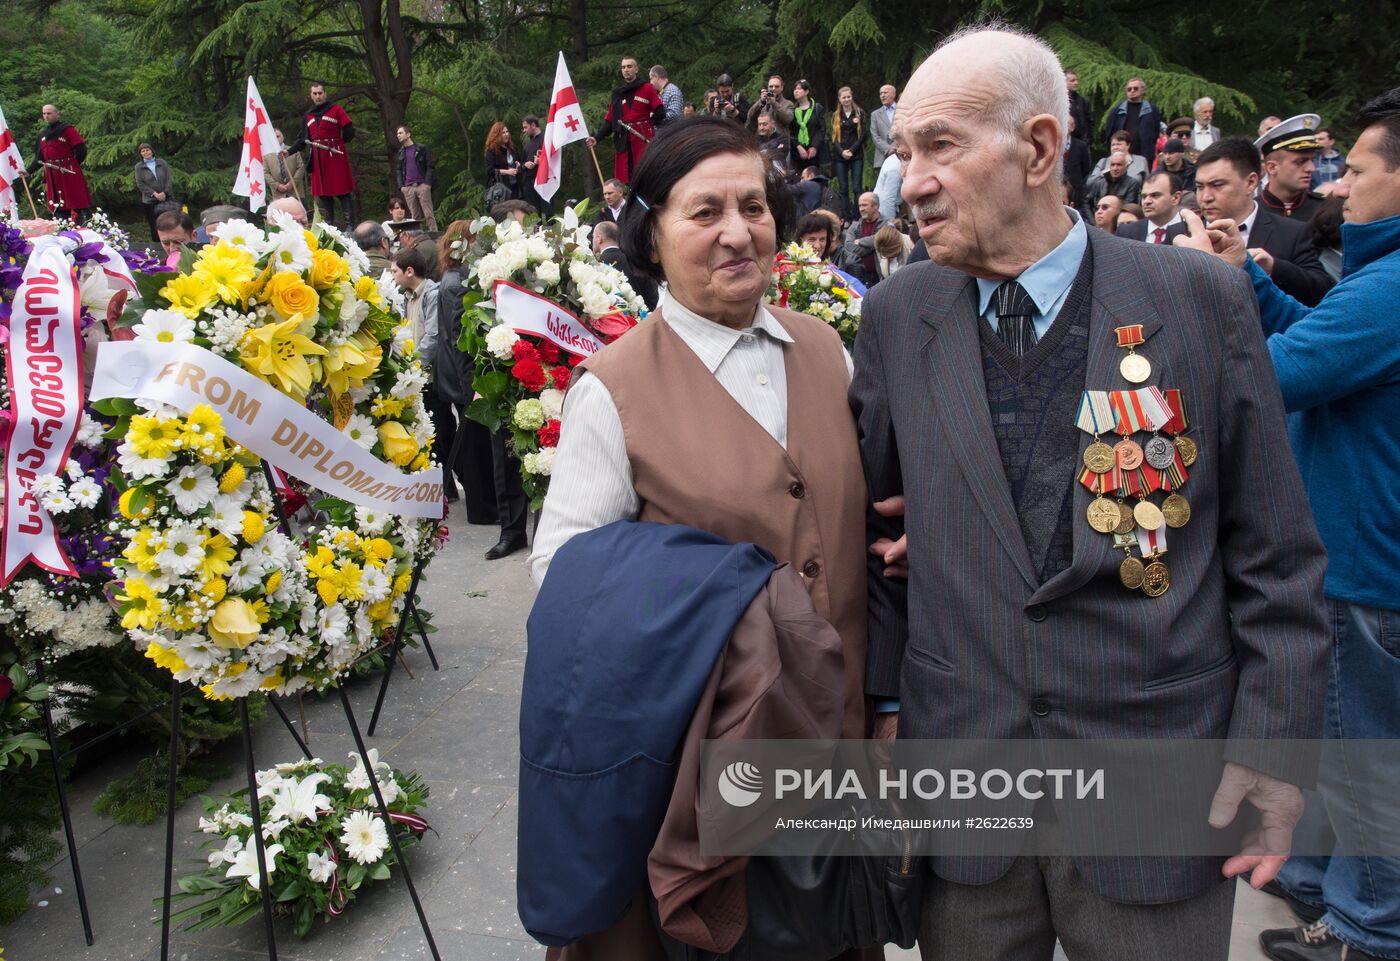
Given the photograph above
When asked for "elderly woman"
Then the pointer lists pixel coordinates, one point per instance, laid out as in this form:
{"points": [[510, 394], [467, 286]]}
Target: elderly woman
{"points": [[717, 411], [154, 183]]}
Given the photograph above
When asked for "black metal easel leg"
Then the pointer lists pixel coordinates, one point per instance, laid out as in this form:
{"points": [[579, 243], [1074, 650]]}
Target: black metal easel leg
{"points": [[291, 728], [170, 817], [394, 651], [388, 822], [255, 809], [423, 633], [57, 758]]}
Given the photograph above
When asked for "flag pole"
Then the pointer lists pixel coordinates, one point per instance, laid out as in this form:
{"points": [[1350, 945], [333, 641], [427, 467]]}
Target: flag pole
{"points": [[596, 166], [33, 209]]}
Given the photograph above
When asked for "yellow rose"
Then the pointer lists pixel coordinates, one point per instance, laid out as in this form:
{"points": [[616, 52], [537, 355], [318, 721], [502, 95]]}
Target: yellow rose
{"points": [[366, 290], [399, 445], [290, 296], [328, 268], [234, 625]]}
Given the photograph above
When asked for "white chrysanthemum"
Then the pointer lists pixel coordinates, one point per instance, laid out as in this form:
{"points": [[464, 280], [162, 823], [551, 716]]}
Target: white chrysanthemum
{"points": [[368, 520], [334, 624], [227, 517], [136, 467], [500, 341], [85, 492], [46, 485], [197, 650], [552, 401], [244, 236], [90, 431], [193, 488], [364, 837], [489, 269], [290, 250], [320, 868], [376, 584], [361, 430], [56, 503], [183, 552], [410, 382], [390, 291]]}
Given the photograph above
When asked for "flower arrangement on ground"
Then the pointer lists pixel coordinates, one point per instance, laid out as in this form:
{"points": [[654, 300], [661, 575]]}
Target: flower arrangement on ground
{"points": [[324, 841], [521, 378], [803, 282], [210, 588]]}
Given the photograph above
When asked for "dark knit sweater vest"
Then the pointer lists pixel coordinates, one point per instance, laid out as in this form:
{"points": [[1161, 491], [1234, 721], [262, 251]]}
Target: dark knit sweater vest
{"points": [[1034, 401]]}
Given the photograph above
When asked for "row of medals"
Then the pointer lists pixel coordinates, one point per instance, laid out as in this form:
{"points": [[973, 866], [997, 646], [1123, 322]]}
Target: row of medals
{"points": [[1108, 516]]}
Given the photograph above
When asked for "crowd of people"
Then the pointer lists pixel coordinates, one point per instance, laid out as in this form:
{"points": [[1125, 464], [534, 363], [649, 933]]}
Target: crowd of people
{"points": [[992, 610]]}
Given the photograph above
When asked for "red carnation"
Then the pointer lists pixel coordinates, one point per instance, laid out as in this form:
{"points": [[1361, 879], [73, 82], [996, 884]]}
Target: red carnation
{"points": [[549, 353], [561, 375], [524, 350], [529, 373], [549, 434], [7, 686]]}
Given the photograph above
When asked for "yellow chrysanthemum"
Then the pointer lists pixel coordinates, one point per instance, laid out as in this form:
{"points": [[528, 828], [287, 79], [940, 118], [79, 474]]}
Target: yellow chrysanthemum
{"points": [[290, 296], [377, 550], [274, 581], [328, 268], [328, 588], [368, 291], [380, 611], [201, 426], [254, 527], [154, 436], [216, 589], [402, 581], [346, 540], [277, 353], [165, 658], [185, 617], [143, 548], [272, 681], [218, 555], [311, 240], [188, 294], [234, 476], [388, 407], [322, 560], [145, 606], [227, 269]]}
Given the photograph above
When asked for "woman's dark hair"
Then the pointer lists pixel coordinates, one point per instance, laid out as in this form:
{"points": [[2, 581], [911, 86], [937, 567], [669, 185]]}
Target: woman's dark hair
{"points": [[678, 148], [1327, 224], [397, 197], [816, 223]]}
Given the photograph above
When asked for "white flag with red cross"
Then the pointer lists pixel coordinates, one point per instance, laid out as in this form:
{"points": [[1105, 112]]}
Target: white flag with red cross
{"points": [[564, 126], [259, 138], [11, 167]]}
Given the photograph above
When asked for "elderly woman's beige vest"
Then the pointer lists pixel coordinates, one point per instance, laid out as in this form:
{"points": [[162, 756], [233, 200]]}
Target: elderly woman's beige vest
{"points": [[699, 459]]}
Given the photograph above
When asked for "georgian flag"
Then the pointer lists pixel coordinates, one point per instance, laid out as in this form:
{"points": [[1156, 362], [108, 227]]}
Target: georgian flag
{"points": [[564, 126], [258, 139], [11, 166]]}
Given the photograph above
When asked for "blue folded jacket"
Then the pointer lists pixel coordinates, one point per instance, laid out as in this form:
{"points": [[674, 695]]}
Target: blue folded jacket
{"points": [[623, 636]]}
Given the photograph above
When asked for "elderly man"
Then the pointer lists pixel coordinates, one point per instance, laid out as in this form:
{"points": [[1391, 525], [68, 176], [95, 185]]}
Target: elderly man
{"points": [[858, 243], [292, 207], [372, 239], [1203, 132], [1338, 367], [1115, 180], [1023, 615], [882, 125], [1139, 117]]}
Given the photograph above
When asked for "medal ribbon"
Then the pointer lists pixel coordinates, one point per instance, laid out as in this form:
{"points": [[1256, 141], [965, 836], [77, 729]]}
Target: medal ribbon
{"points": [[1174, 476], [1129, 336], [1177, 424], [1111, 482], [1152, 542], [1143, 481], [1141, 409], [1095, 412]]}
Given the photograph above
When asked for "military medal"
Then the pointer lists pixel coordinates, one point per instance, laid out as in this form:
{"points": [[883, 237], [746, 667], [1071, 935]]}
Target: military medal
{"points": [[1096, 416], [1103, 515], [1126, 520], [1176, 511], [1134, 367], [1177, 427], [1155, 576], [1148, 515], [1131, 572], [1159, 452]]}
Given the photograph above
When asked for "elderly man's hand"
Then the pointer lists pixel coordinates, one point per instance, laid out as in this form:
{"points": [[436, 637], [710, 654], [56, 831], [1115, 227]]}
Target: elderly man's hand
{"points": [[894, 553], [1222, 238], [1280, 805]]}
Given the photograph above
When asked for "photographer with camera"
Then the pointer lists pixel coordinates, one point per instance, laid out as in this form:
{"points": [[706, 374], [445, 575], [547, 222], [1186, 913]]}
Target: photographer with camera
{"points": [[772, 103], [724, 102]]}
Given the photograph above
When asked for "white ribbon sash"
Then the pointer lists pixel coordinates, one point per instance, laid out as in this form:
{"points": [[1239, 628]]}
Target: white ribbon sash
{"points": [[526, 312], [265, 421], [44, 363]]}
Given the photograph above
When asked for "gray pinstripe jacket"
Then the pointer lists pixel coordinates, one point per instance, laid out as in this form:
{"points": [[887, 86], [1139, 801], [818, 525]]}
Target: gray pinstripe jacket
{"points": [[976, 647]]}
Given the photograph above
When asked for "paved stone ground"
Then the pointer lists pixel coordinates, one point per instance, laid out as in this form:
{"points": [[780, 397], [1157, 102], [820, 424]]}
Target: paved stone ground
{"points": [[456, 726]]}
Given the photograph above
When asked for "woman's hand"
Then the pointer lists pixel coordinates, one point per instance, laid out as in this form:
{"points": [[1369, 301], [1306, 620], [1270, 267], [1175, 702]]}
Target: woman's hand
{"points": [[846, 154]]}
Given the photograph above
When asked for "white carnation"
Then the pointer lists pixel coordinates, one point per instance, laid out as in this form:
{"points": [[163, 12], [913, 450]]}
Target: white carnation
{"points": [[500, 341]]}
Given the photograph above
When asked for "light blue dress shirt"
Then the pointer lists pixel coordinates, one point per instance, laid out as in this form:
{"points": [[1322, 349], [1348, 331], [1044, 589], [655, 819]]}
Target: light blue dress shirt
{"points": [[1048, 280], [150, 165]]}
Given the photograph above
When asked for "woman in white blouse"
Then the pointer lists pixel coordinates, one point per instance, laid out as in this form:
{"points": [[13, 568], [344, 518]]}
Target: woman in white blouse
{"points": [[718, 411]]}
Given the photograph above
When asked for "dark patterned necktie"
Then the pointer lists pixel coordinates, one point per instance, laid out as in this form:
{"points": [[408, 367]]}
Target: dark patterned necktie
{"points": [[1014, 311]]}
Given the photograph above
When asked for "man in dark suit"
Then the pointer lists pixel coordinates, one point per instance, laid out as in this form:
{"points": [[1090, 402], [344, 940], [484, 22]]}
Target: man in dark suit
{"points": [[1018, 618], [1227, 177], [614, 201], [1161, 202], [605, 246]]}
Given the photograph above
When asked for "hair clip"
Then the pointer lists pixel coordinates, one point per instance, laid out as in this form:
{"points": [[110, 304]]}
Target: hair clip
{"points": [[642, 203]]}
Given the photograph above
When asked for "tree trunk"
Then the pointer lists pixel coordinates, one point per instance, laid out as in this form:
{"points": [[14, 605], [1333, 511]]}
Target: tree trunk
{"points": [[578, 26], [391, 89]]}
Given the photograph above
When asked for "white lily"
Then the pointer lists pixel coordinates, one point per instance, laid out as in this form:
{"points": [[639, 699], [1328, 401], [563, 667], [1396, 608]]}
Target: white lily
{"points": [[245, 865], [298, 801]]}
